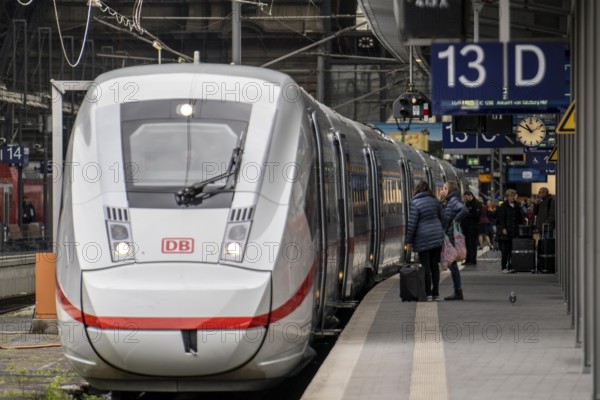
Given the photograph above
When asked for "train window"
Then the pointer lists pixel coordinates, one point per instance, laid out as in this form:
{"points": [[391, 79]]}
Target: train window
{"points": [[168, 154], [168, 150]]}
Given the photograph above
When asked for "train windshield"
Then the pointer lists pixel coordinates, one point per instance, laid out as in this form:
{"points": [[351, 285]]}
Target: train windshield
{"points": [[165, 150], [176, 154]]}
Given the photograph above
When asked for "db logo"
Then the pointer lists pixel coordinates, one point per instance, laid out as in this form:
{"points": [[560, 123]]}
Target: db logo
{"points": [[178, 245]]}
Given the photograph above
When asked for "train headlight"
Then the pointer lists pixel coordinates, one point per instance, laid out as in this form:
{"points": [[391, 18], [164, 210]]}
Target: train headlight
{"points": [[123, 249], [119, 232], [233, 249], [234, 243], [119, 238]]}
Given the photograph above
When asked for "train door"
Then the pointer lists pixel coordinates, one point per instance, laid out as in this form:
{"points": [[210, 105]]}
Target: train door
{"points": [[343, 217], [406, 185], [374, 205], [320, 285], [6, 198], [430, 179]]}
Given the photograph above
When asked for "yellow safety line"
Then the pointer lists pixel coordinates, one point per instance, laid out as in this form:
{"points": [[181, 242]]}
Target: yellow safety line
{"points": [[428, 381]]}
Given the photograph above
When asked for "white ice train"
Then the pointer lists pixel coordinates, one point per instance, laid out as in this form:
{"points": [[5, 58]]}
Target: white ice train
{"points": [[214, 217]]}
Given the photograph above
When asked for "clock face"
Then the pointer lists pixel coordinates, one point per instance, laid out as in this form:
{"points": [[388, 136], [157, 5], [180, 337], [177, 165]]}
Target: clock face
{"points": [[531, 131]]}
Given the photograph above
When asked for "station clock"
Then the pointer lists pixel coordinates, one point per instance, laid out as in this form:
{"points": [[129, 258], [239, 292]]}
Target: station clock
{"points": [[531, 131]]}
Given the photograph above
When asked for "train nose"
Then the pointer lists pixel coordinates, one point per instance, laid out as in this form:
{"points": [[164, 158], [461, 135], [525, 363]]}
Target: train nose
{"points": [[176, 320]]}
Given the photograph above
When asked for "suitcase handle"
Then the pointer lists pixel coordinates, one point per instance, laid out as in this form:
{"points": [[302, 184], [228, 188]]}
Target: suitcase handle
{"points": [[545, 228]]}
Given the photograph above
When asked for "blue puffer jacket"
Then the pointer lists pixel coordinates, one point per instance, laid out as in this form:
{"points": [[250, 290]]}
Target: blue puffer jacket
{"points": [[425, 215], [454, 210]]}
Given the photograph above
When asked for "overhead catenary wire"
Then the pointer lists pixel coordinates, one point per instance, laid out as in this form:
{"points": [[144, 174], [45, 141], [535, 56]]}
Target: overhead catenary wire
{"points": [[318, 42], [372, 92], [137, 14], [151, 42], [120, 18], [62, 43], [259, 4], [130, 24]]}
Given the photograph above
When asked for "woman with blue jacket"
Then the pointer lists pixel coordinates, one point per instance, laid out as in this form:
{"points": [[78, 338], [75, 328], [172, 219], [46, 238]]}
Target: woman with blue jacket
{"points": [[425, 235], [454, 211]]}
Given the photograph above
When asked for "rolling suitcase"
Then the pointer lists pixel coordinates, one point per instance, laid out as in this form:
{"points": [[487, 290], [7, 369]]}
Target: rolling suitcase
{"points": [[523, 255], [546, 253], [525, 231], [412, 282]]}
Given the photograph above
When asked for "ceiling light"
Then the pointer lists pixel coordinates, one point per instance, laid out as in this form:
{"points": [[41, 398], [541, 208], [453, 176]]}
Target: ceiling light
{"points": [[366, 42]]}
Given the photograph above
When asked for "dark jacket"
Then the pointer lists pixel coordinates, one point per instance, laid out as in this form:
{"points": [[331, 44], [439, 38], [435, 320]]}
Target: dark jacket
{"points": [[545, 212], [471, 221], [508, 218], [28, 213], [454, 210], [424, 229]]}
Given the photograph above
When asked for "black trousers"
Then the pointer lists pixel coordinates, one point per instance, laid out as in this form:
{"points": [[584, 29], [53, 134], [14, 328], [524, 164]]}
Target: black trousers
{"points": [[430, 260], [471, 242], [506, 250]]}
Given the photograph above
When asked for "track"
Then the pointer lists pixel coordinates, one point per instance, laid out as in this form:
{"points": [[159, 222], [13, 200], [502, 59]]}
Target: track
{"points": [[16, 303]]}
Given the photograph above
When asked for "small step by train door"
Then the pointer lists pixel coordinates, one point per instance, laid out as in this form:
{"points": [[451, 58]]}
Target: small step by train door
{"points": [[374, 204]]}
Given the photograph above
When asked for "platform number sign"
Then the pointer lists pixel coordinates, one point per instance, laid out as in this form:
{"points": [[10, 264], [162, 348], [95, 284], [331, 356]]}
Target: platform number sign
{"points": [[12, 154], [489, 78]]}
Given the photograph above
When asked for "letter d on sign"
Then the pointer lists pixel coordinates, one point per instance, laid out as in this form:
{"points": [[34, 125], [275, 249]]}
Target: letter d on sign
{"points": [[541, 71]]}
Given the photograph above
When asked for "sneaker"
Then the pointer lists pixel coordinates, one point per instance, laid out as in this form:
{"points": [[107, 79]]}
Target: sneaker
{"points": [[429, 298], [505, 271], [437, 298]]}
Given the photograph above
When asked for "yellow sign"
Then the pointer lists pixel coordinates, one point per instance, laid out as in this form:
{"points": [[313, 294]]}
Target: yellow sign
{"points": [[553, 157], [567, 123], [417, 140]]}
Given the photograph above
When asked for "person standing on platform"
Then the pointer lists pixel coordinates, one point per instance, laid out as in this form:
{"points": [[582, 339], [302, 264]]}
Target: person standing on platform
{"points": [[28, 211], [425, 235], [545, 211], [470, 226], [483, 228], [454, 211], [508, 218], [491, 209]]}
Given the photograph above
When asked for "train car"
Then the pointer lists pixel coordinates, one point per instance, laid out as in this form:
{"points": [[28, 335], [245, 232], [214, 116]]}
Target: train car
{"points": [[219, 219], [9, 199]]}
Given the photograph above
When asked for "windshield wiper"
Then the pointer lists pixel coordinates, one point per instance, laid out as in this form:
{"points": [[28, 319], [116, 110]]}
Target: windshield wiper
{"points": [[195, 193]]}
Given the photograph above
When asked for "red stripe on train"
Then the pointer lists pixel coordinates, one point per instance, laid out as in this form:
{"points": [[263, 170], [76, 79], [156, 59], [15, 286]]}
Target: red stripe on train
{"points": [[195, 323]]}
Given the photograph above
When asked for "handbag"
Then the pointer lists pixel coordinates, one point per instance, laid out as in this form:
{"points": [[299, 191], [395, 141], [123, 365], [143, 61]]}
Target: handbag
{"points": [[448, 254], [459, 243]]}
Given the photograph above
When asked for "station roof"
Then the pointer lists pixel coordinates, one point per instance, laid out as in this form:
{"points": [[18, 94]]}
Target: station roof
{"points": [[529, 20]]}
